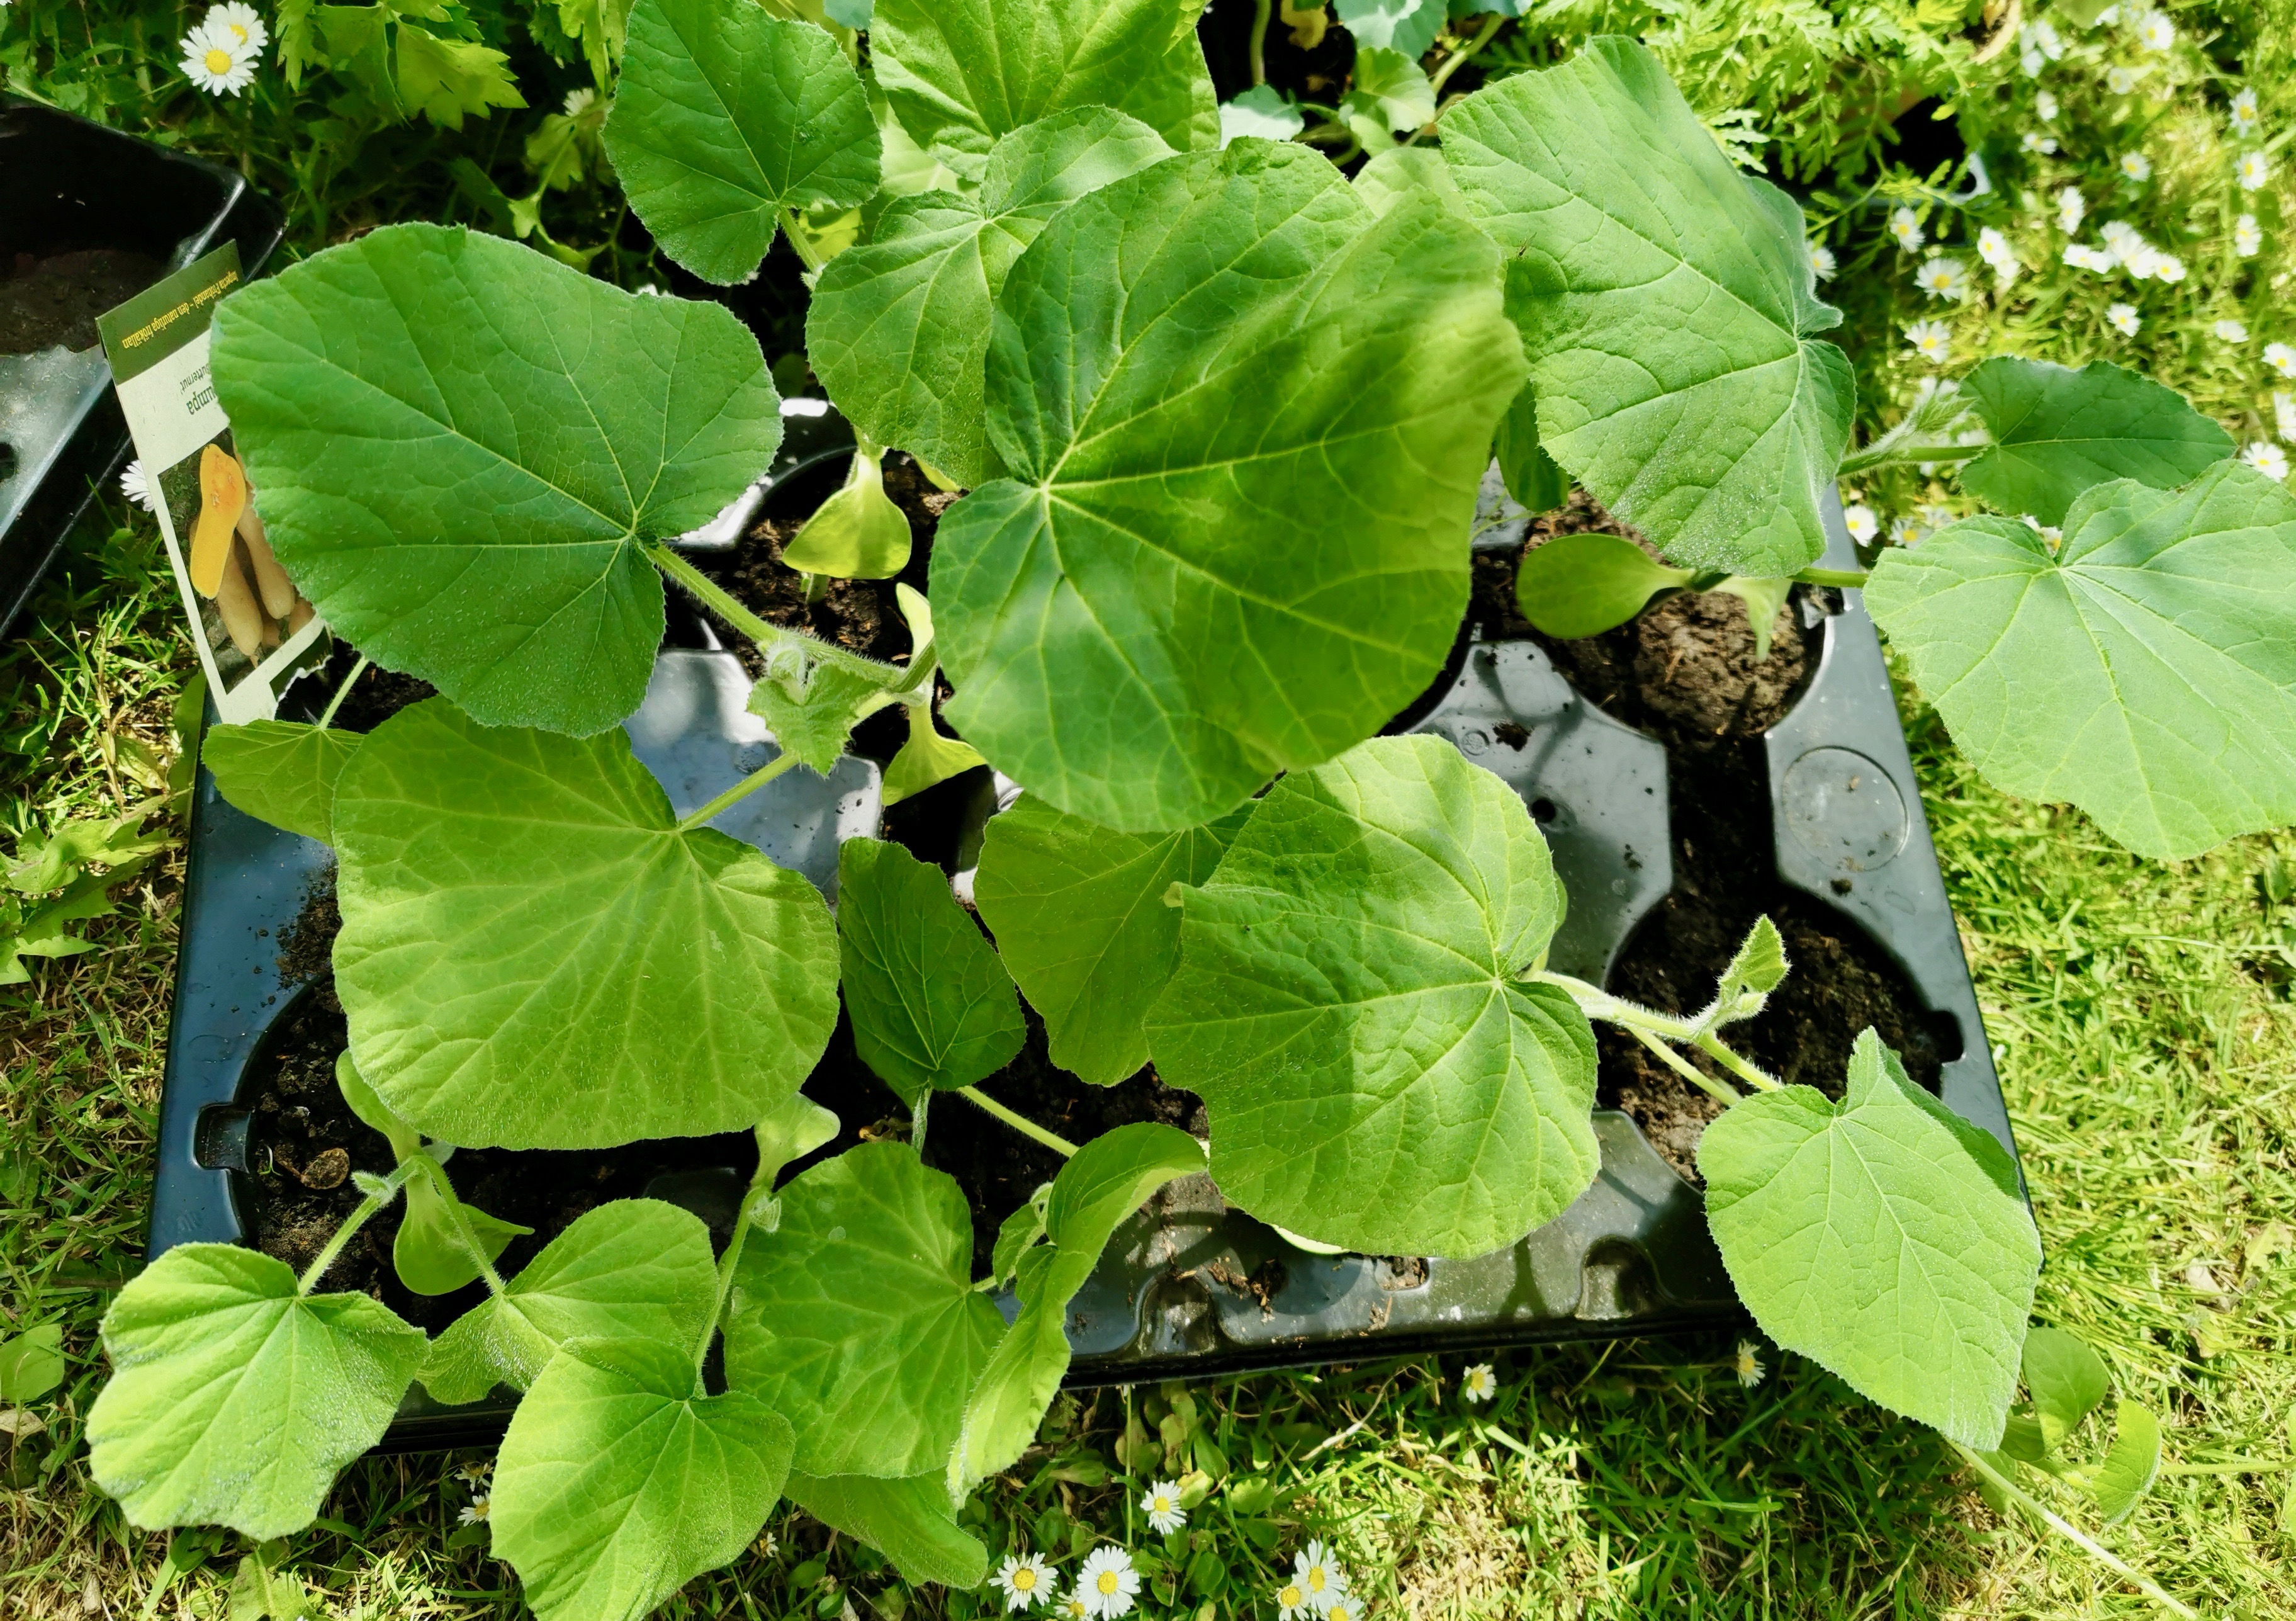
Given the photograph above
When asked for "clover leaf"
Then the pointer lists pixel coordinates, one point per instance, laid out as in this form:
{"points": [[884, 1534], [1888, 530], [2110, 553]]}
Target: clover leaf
{"points": [[280, 771], [2057, 432]]}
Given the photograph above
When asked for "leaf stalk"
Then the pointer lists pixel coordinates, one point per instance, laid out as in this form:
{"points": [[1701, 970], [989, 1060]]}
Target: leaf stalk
{"points": [[739, 790], [327, 715], [2080, 1539], [1020, 1122], [463, 1232], [352, 1223]]}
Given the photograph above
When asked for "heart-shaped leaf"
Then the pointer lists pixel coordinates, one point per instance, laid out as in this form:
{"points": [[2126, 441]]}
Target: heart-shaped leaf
{"points": [[428, 1252], [489, 1003], [280, 771], [458, 444], [2057, 432], [2130, 1464], [1245, 423], [1585, 584], [910, 1522], [1347, 1005], [1884, 1238], [857, 533], [234, 1400], [2066, 1380], [725, 116], [1667, 304], [2145, 671], [1407, 27]]}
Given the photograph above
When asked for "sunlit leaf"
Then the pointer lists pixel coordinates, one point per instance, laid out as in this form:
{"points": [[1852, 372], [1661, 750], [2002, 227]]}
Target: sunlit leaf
{"points": [[280, 771], [2057, 432]]}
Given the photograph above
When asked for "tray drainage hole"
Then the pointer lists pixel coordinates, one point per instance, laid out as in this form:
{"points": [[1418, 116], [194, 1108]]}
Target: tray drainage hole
{"points": [[1614, 1281], [1545, 811], [1944, 1030]]}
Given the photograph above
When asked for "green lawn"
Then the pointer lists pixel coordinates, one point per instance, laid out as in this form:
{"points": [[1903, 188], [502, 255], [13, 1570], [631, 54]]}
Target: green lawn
{"points": [[2140, 1017]]}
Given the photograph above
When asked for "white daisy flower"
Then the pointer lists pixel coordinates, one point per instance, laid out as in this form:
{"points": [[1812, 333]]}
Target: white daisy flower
{"points": [[2123, 318], [474, 1473], [2232, 332], [2267, 458], [1942, 278], [1479, 1383], [2042, 36], [2073, 208], [2032, 62], [1905, 225], [2243, 112], [2280, 358], [2080, 256], [580, 101], [1907, 532], [1821, 261], [1932, 341], [135, 487], [2136, 165], [2121, 81], [2045, 105], [1025, 1581], [2247, 238], [1072, 1608], [218, 63], [1319, 1576], [1862, 523], [1108, 1584], [476, 1509], [1993, 249], [241, 22], [2046, 145], [2155, 32], [1342, 1609], [2255, 170], [1160, 1502], [2284, 414], [2168, 268], [1936, 516], [1746, 1364], [1291, 1603]]}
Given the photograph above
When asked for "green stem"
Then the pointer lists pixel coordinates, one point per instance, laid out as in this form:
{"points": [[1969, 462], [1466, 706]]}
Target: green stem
{"points": [[760, 1187], [892, 678], [1848, 579], [1451, 63], [327, 715], [802, 240], [2233, 1465], [2065, 1528], [1260, 40], [463, 1231], [1883, 455], [352, 1223], [739, 790], [816, 587], [1598, 1003], [1753, 1074], [1022, 1123], [1721, 1090]]}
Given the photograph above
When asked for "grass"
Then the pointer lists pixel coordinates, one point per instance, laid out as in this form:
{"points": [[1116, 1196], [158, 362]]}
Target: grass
{"points": [[2140, 1017]]}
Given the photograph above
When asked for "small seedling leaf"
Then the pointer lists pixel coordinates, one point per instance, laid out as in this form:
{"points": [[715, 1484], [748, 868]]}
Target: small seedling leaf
{"points": [[635, 1267], [234, 1400], [909, 1521], [813, 708], [856, 1318], [2129, 1466], [2145, 671], [1884, 1238], [1584, 584], [1756, 968], [619, 1481], [2066, 1380], [261, 1592], [1390, 96], [31, 1363], [930, 1004], [281, 771], [428, 1254], [1261, 111], [857, 533], [928, 758], [1763, 599], [2057, 432], [1348, 1007], [725, 116]]}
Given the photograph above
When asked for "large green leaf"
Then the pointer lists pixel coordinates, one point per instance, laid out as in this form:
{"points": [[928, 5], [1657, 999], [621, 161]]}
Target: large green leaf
{"points": [[931, 1005], [2057, 432], [856, 1317], [281, 771], [458, 444], [632, 1269], [959, 73], [908, 1521], [898, 327], [1245, 423], [2146, 671], [1348, 1006], [234, 1401], [619, 1481], [1080, 919], [1102, 1182], [532, 956], [1667, 304], [1883, 1236], [727, 115]]}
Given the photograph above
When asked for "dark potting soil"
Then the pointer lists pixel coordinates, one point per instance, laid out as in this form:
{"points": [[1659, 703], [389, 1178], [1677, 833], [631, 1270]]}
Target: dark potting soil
{"points": [[52, 300]]}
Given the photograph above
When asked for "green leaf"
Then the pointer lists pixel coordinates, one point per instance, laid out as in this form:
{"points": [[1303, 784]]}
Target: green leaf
{"points": [[813, 706], [1245, 423], [2146, 671], [1079, 914], [726, 116], [1103, 1183], [31, 1363], [1017, 1235], [234, 1401], [280, 771], [1260, 110], [427, 1254], [1667, 305], [1884, 1238], [619, 1481], [488, 1004], [259, 1592], [927, 758], [1395, 174], [2129, 1466], [38, 928], [445, 78], [960, 73], [1584, 584], [366, 1103], [459, 487], [2057, 432], [931, 1005], [857, 533], [856, 1317], [908, 1521], [791, 1130], [1763, 599], [1348, 1009], [1755, 969], [898, 330], [1407, 27], [2066, 1380], [1530, 475], [1391, 94], [631, 1269]]}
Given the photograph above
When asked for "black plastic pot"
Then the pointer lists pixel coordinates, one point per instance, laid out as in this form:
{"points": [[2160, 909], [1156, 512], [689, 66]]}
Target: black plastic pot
{"points": [[67, 185], [1190, 1288]]}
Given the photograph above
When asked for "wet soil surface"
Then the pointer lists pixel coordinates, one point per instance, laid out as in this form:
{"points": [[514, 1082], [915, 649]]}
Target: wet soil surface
{"points": [[53, 299]]}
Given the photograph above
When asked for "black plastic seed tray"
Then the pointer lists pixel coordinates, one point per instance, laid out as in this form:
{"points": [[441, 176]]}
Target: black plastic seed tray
{"points": [[68, 185]]}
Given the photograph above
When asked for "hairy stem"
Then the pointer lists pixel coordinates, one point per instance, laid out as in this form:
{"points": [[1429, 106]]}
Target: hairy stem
{"points": [[463, 1232], [327, 715], [352, 1223], [761, 1188], [2080, 1539], [1259, 17], [1753, 1074], [1847, 579], [893, 678], [1022, 1123], [1880, 455], [1721, 1090], [1651, 1026], [1452, 63], [739, 790]]}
